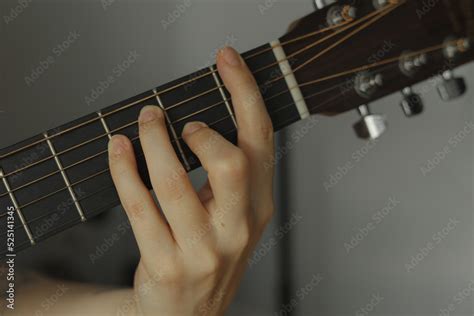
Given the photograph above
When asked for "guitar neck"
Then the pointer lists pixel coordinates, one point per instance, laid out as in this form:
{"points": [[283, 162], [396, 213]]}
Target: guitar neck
{"points": [[60, 178]]}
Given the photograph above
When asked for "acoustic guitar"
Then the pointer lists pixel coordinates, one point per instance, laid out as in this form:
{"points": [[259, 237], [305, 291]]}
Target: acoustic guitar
{"points": [[339, 58]]}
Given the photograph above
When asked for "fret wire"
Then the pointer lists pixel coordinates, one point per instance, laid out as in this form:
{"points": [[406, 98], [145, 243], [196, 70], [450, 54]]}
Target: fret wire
{"points": [[65, 178], [93, 176], [94, 156], [224, 97], [104, 124], [18, 210], [166, 90], [68, 149], [141, 155], [97, 138], [173, 132]]}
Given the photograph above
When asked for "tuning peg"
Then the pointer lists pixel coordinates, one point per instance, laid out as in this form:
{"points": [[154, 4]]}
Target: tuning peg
{"points": [[370, 126], [319, 4], [452, 87], [412, 104]]}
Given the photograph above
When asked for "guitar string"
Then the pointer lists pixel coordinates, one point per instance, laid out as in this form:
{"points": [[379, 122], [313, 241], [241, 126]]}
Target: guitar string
{"points": [[434, 48], [99, 137], [225, 133], [233, 130], [324, 39], [126, 126], [387, 62], [365, 67], [102, 116], [184, 83], [348, 36], [91, 140], [393, 59]]}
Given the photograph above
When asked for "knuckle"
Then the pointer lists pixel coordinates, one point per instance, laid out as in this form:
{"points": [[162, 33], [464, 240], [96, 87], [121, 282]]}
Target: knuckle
{"points": [[209, 263], [172, 274], [266, 131], [135, 209], [174, 185], [203, 140], [235, 166], [242, 238]]}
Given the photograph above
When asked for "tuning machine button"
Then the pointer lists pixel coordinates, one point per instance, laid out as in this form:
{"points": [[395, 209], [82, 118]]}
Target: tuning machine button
{"points": [[320, 4], [370, 126], [412, 104], [452, 87]]}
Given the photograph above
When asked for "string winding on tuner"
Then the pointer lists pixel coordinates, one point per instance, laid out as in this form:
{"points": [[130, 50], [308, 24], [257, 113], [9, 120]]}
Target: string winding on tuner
{"points": [[339, 14]]}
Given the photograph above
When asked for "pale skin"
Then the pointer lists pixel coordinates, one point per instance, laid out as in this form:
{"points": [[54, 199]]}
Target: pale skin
{"points": [[194, 249]]}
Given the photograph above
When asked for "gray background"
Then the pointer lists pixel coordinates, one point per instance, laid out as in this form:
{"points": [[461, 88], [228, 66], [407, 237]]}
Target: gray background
{"points": [[391, 168]]}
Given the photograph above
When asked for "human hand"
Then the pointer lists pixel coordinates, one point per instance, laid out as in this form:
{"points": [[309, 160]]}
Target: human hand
{"points": [[194, 252]]}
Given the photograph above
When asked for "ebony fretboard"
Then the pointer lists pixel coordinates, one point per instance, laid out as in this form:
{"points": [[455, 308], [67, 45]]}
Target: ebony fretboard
{"points": [[59, 178]]}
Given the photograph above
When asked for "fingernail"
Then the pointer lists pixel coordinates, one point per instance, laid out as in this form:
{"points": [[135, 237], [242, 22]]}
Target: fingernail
{"points": [[117, 145], [193, 127], [231, 57], [148, 113]]}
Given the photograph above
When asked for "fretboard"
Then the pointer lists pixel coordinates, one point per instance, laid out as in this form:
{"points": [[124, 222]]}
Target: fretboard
{"points": [[60, 178]]}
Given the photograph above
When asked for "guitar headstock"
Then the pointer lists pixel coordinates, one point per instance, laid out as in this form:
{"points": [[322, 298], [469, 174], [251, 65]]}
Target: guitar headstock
{"points": [[352, 53]]}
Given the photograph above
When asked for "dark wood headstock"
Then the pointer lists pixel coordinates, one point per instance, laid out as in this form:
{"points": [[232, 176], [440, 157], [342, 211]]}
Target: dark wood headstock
{"points": [[373, 43]]}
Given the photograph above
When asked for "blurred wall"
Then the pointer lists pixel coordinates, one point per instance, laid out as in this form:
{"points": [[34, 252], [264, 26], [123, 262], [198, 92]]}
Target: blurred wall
{"points": [[352, 239]]}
